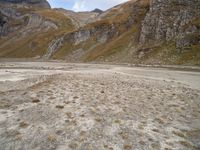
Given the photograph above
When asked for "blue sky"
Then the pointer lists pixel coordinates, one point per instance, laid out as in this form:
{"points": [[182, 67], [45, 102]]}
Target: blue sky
{"points": [[84, 5]]}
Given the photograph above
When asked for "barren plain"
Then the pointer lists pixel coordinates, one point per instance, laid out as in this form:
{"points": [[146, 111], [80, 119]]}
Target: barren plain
{"points": [[61, 106]]}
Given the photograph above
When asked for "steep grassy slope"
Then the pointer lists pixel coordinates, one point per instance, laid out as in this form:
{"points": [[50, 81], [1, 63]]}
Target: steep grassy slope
{"points": [[167, 53], [38, 27], [124, 45], [127, 18], [113, 32]]}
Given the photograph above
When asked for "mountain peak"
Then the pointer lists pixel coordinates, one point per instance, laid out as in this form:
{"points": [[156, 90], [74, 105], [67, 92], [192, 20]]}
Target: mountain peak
{"points": [[97, 11]]}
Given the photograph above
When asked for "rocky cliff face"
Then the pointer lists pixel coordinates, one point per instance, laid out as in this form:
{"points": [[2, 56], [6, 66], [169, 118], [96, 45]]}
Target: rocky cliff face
{"points": [[12, 20], [3, 26], [38, 3], [93, 37], [171, 20], [7, 15]]}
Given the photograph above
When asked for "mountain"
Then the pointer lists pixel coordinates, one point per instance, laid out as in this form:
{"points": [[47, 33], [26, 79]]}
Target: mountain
{"points": [[38, 3], [97, 11], [80, 18], [138, 31]]}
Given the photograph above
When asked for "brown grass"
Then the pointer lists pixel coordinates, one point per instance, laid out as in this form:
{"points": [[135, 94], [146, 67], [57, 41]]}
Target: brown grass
{"points": [[57, 17], [178, 133], [35, 101], [52, 138], [59, 106], [4, 105], [187, 144], [127, 147], [36, 44], [23, 124]]}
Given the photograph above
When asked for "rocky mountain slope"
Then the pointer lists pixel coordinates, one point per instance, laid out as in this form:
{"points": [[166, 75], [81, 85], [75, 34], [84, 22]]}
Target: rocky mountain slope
{"points": [[37, 3], [139, 31]]}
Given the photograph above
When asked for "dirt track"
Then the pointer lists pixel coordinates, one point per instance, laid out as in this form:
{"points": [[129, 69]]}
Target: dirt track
{"points": [[100, 107]]}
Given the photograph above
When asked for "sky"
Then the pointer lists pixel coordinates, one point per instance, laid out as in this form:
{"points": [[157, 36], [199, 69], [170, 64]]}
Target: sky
{"points": [[84, 5]]}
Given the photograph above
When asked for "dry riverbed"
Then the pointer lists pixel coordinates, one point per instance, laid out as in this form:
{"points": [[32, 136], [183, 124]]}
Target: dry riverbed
{"points": [[58, 106]]}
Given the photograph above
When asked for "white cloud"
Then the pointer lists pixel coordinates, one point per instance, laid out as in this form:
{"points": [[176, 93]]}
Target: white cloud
{"points": [[79, 5], [87, 5]]}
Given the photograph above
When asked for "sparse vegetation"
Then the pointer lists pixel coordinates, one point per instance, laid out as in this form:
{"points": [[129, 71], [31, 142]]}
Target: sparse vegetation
{"points": [[49, 104], [35, 100], [52, 138], [178, 133], [73, 145], [127, 147], [4, 104], [123, 114], [59, 106], [187, 144], [23, 124]]}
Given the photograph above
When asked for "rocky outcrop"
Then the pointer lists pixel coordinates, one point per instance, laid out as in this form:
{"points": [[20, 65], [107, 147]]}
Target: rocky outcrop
{"points": [[53, 47], [37, 3], [170, 20], [100, 33], [3, 26], [10, 13], [12, 20], [81, 36], [37, 21]]}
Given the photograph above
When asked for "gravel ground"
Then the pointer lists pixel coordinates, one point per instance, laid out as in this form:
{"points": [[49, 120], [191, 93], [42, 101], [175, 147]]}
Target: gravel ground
{"points": [[58, 106]]}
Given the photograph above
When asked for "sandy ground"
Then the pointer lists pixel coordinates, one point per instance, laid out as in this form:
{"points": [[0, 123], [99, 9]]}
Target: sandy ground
{"points": [[58, 106]]}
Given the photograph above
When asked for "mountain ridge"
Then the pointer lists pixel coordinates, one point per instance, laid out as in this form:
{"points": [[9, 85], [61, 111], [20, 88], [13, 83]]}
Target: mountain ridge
{"points": [[97, 10], [138, 31], [37, 3]]}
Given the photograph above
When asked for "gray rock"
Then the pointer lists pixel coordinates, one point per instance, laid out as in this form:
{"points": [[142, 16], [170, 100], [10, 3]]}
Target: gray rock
{"points": [[53, 47], [35, 21], [38, 3], [187, 40], [81, 36], [3, 26], [167, 19]]}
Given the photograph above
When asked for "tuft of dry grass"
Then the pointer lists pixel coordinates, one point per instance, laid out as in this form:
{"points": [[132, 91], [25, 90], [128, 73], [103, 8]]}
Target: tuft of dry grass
{"points": [[35, 101], [124, 135], [187, 144], [52, 138], [144, 3], [75, 97], [156, 130], [73, 145], [98, 119], [160, 120], [23, 124], [59, 106], [127, 147], [4, 104], [178, 133]]}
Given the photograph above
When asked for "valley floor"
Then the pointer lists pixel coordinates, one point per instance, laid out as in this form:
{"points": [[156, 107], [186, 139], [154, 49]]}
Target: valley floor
{"points": [[49, 105]]}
